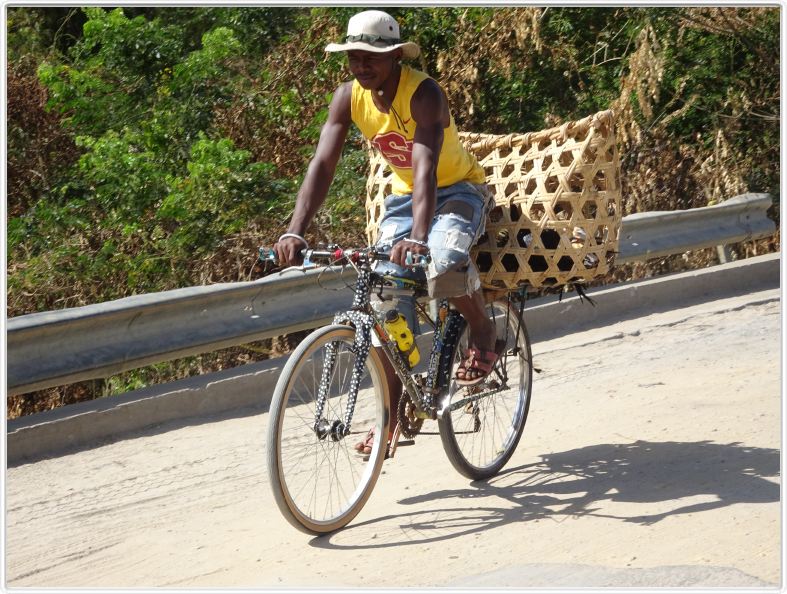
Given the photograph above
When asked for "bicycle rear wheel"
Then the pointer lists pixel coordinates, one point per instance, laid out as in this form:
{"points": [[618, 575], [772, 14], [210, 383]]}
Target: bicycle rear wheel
{"points": [[481, 426], [318, 480]]}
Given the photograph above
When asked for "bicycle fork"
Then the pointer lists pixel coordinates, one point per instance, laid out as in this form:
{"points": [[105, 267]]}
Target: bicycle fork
{"points": [[364, 323], [338, 429]]}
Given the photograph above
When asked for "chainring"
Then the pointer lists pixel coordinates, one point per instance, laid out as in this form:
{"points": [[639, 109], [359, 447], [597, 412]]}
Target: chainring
{"points": [[410, 424]]}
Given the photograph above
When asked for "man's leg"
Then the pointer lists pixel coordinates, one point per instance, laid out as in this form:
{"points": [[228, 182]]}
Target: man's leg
{"points": [[394, 390], [482, 329], [395, 393], [458, 223]]}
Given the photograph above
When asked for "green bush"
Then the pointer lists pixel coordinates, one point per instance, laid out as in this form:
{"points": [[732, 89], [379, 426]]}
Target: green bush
{"points": [[191, 127], [222, 192], [151, 148]]}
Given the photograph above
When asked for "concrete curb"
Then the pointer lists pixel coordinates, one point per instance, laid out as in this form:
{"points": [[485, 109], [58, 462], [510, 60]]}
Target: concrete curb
{"points": [[248, 389], [88, 424]]}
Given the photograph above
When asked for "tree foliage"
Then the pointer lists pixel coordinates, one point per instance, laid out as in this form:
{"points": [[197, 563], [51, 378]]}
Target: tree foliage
{"points": [[151, 148]]}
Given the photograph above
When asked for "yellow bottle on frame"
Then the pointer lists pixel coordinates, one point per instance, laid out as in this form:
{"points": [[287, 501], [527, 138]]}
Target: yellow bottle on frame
{"points": [[397, 328]]}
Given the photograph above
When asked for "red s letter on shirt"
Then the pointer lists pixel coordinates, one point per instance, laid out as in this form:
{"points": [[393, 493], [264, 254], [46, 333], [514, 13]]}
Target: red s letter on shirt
{"points": [[396, 149]]}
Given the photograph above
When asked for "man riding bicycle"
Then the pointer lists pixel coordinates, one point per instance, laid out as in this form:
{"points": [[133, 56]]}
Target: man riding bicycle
{"points": [[439, 200]]}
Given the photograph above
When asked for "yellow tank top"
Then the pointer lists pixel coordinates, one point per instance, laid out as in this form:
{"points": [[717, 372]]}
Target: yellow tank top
{"points": [[392, 134]]}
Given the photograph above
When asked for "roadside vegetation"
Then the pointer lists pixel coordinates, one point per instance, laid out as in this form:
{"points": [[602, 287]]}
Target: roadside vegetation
{"points": [[156, 148]]}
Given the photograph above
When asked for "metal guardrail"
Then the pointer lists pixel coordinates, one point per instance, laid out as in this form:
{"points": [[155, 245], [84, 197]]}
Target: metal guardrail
{"points": [[655, 234], [96, 341]]}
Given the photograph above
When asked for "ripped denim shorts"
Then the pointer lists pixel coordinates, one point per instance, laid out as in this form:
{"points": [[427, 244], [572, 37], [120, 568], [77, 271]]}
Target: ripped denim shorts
{"points": [[460, 215]]}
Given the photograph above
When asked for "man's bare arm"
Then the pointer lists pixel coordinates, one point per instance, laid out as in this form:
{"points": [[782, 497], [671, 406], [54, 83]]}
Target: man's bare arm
{"points": [[430, 112], [319, 174]]}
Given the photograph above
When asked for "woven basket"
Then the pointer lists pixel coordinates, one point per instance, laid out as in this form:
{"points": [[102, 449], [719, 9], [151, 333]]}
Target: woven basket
{"points": [[557, 212]]}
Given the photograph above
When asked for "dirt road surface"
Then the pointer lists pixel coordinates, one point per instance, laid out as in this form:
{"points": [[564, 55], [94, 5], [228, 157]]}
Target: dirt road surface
{"points": [[650, 458]]}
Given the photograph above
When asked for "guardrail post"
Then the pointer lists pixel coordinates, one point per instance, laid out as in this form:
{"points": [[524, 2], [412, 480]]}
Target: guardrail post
{"points": [[724, 252]]}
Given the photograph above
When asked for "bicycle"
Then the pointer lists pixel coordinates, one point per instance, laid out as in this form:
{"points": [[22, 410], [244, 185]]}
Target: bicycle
{"points": [[334, 381]]}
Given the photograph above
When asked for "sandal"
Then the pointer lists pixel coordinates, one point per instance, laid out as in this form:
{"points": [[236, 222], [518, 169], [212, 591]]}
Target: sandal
{"points": [[478, 361], [364, 447]]}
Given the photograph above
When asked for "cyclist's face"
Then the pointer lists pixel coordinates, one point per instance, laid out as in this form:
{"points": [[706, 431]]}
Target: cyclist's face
{"points": [[372, 69]]}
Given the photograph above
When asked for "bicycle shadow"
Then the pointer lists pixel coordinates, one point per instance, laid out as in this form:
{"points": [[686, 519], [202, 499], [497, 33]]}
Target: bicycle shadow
{"points": [[655, 476]]}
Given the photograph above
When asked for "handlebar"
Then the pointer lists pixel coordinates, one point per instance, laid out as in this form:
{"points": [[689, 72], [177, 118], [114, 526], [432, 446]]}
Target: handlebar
{"points": [[416, 260], [336, 255]]}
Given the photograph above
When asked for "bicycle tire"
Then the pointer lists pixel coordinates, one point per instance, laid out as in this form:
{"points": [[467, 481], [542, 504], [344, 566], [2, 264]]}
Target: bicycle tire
{"points": [[301, 467], [480, 441]]}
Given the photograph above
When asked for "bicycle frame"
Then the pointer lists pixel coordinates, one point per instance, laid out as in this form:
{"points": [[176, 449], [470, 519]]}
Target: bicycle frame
{"points": [[363, 317], [333, 379], [422, 390]]}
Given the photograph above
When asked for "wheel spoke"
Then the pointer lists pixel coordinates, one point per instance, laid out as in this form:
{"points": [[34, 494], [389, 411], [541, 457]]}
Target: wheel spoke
{"points": [[320, 485], [499, 413]]}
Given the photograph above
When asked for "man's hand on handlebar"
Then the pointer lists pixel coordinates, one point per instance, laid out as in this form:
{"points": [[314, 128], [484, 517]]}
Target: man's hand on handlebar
{"points": [[400, 249], [288, 251]]}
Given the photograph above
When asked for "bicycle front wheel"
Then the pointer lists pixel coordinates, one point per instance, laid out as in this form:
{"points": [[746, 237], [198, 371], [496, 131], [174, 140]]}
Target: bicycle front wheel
{"points": [[319, 481], [482, 425]]}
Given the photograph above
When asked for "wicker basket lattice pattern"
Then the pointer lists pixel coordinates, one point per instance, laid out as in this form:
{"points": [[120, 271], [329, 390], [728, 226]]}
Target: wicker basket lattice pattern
{"points": [[557, 212]]}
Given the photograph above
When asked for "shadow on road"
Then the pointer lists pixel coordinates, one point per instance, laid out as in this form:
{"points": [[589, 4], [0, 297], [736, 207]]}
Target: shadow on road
{"points": [[662, 479]]}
